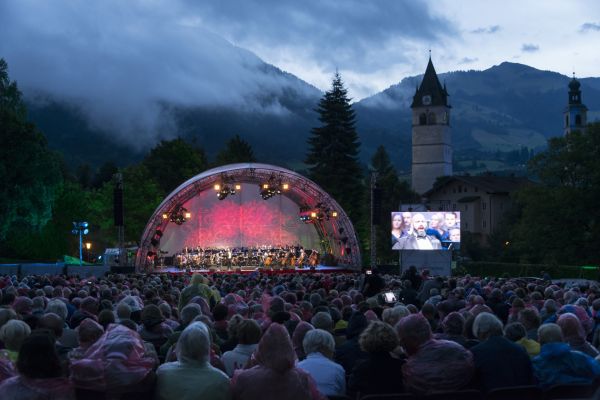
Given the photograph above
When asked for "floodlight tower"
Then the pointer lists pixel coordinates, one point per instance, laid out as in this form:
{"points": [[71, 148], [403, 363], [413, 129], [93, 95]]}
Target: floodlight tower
{"points": [[80, 228]]}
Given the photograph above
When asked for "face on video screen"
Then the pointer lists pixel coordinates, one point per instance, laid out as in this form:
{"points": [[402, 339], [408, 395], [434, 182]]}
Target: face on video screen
{"points": [[425, 230]]}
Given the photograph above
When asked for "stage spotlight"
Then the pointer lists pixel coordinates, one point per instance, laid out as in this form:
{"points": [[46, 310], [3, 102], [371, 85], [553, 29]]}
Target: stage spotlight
{"points": [[313, 214], [165, 216], [334, 214], [217, 187], [221, 195], [238, 187], [188, 215], [265, 185], [285, 186]]}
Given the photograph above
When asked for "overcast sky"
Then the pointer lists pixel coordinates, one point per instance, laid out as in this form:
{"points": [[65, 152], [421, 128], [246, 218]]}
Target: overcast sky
{"points": [[179, 50]]}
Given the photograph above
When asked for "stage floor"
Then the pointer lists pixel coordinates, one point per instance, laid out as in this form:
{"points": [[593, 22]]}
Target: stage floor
{"points": [[251, 269]]}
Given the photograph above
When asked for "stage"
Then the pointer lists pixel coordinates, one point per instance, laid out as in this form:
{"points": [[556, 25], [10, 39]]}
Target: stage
{"points": [[252, 269]]}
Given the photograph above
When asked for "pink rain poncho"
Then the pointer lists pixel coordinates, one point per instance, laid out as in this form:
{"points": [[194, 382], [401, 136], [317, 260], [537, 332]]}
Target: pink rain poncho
{"points": [[439, 365], [117, 362], [275, 376]]}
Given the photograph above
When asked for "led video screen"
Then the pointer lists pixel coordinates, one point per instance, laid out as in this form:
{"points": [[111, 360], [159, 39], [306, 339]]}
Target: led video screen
{"points": [[425, 230]]}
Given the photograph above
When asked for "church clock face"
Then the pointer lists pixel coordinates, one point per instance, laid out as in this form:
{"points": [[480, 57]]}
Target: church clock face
{"points": [[426, 100]]}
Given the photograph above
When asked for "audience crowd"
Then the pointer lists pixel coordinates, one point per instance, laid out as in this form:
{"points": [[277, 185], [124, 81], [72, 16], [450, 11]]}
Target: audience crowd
{"points": [[291, 336]]}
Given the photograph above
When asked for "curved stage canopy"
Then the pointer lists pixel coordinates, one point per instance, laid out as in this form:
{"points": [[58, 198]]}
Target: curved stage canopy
{"points": [[249, 205]]}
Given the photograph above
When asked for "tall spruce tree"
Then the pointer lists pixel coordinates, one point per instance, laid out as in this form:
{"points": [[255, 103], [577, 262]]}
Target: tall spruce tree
{"points": [[333, 151]]}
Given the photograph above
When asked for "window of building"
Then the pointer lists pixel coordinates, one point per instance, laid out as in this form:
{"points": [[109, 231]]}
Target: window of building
{"points": [[466, 207], [466, 225], [483, 223], [483, 205], [454, 207], [577, 119], [566, 120], [423, 119], [431, 119]]}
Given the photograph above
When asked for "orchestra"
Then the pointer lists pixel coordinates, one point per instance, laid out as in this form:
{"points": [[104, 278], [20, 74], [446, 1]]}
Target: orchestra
{"points": [[268, 257]]}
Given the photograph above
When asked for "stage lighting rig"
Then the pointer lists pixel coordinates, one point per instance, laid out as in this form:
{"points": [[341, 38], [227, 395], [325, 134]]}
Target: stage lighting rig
{"points": [[226, 188], [178, 216], [273, 187]]}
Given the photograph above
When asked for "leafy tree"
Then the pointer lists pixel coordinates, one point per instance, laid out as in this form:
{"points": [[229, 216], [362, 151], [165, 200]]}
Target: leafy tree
{"points": [[172, 162], [560, 220], [141, 196], [30, 173], [236, 150], [84, 175], [333, 151], [104, 174]]}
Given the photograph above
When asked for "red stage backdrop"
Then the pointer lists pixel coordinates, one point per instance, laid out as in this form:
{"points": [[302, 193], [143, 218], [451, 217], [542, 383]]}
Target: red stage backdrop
{"points": [[242, 220]]}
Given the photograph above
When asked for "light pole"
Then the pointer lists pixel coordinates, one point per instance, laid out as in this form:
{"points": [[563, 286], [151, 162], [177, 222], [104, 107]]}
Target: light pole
{"points": [[80, 228], [88, 246]]}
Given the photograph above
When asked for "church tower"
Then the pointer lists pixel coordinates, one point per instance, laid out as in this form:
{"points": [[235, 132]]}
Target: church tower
{"points": [[575, 112], [431, 136]]}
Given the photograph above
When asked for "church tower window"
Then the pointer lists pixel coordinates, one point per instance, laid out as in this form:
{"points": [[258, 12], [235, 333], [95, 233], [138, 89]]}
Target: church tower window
{"points": [[423, 119], [431, 119]]}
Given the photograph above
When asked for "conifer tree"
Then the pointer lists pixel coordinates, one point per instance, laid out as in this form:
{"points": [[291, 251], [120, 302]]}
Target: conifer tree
{"points": [[333, 151], [236, 150], [393, 192]]}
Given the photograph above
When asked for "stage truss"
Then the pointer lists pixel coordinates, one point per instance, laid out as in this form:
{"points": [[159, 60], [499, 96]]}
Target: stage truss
{"points": [[340, 239]]}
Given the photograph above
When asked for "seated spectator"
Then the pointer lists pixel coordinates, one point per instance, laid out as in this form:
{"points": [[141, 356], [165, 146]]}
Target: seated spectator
{"points": [[557, 364], [232, 332], [105, 318], [275, 372], [219, 314], [497, 305], [87, 309], [116, 363], [349, 353], [167, 313], [378, 374], [322, 320], [248, 335], [69, 336], [88, 331], [12, 334], [391, 316], [530, 318], [39, 373], [153, 328], [54, 326], [452, 328], [197, 287], [329, 376], [298, 337], [192, 376], [432, 365], [187, 315], [515, 332], [574, 334], [498, 361]]}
